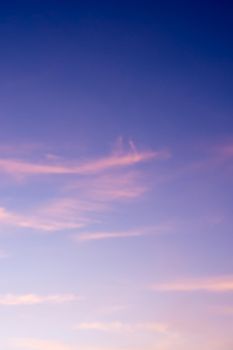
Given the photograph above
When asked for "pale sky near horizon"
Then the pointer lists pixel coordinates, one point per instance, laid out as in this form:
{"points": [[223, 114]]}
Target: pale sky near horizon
{"points": [[116, 164]]}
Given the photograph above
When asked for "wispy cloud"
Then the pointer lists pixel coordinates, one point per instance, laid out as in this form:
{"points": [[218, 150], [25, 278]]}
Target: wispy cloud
{"points": [[97, 236], [114, 186], [214, 285], [65, 213], [99, 184], [58, 214], [17, 167], [39, 220], [39, 344], [122, 327], [35, 299], [21, 149]]}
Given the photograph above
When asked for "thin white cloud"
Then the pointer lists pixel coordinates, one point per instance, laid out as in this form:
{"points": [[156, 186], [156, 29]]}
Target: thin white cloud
{"points": [[41, 344], [35, 299]]}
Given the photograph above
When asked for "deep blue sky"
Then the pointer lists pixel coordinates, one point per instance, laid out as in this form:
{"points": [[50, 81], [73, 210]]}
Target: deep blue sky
{"points": [[121, 65]]}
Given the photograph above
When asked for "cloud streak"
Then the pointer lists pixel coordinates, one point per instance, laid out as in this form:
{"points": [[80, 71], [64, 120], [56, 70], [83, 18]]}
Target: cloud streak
{"points": [[120, 185], [17, 167], [211, 285], [35, 299], [39, 220], [107, 235], [38, 344], [122, 327]]}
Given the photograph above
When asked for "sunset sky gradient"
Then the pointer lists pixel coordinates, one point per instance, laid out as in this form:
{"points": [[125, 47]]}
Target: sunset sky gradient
{"points": [[116, 174]]}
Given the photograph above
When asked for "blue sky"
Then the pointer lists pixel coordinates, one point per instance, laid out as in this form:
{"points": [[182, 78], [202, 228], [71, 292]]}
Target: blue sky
{"points": [[116, 150]]}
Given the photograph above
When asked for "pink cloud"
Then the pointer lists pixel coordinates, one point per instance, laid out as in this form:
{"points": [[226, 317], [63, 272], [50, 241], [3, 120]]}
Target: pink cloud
{"points": [[40, 220], [97, 236], [114, 186], [104, 182], [122, 327], [214, 285], [67, 213], [39, 344], [17, 167], [82, 202]]}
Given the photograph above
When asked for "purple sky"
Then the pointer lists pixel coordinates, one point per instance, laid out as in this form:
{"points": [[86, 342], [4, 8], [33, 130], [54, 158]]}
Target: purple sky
{"points": [[116, 164]]}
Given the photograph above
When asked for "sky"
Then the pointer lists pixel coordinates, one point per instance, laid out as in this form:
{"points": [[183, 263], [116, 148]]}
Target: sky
{"points": [[116, 168]]}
